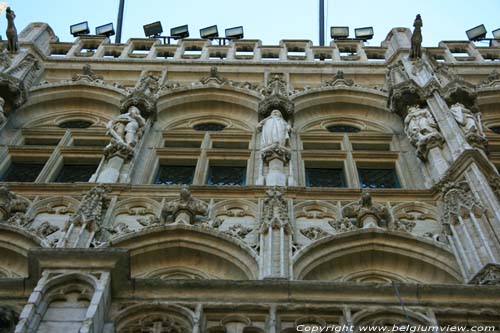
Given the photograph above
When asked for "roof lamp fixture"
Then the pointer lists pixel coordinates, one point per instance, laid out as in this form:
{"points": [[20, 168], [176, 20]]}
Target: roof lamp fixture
{"points": [[105, 30], [209, 32], [496, 34], [78, 29], [179, 32], [339, 32], [364, 34], [153, 29], [234, 33], [476, 33]]}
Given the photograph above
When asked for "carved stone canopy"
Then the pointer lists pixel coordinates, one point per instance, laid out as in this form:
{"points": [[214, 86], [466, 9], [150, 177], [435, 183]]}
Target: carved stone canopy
{"points": [[459, 91], [405, 94], [276, 102]]}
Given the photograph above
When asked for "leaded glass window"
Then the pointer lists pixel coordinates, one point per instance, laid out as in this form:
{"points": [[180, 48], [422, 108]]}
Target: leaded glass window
{"points": [[226, 175], [320, 177], [175, 175], [343, 129], [72, 173], [495, 129], [378, 178], [22, 172], [75, 124], [215, 127]]}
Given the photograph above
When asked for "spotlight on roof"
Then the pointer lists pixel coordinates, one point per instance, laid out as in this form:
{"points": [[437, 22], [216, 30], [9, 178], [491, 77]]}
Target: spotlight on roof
{"points": [[496, 34], [209, 32], [476, 33], [152, 29], [105, 30], [339, 32], [364, 33], [234, 33], [180, 32], [78, 29]]}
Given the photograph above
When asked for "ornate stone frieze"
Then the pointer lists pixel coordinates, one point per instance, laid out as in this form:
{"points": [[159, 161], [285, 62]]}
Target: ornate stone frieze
{"points": [[459, 201], [91, 210], [275, 211], [366, 213], [314, 233], [489, 275], [185, 209], [422, 130], [11, 204]]}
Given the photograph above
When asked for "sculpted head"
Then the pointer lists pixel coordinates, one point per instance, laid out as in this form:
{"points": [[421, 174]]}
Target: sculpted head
{"points": [[276, 113], [134, 111], [185, 193]]}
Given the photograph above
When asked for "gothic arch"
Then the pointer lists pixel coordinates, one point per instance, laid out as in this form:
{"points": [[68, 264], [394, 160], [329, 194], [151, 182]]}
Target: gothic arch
{"points": [[130, 210], [363, 252], [187, 247], [15, 244], [180, 319], [425, 217], [51, 104]]}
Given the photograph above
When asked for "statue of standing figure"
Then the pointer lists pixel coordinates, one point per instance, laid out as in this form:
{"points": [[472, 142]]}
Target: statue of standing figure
{"points": [[275, 131], [419, 125], [469, 123], [12, 45], [416, 39], [127, 128]]}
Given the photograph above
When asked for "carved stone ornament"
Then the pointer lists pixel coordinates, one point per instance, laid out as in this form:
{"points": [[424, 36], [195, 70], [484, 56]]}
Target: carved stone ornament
{"points": [[276, 98], [8, 319], [11, 203], [338, 80], [422, 130], [366, 213], [342, 225], [119, 229], [144, 96], [275, 137], [91, 209], [276, 85], [403, 95], [275, 211], [46, 229], [460, 91], [489, 275], [87, 74], [493, 80], [459, 201], [125, 131], [238, 231], [405, 225], [214, 77], [494, 181], [185, 209], [470, 124], [416, 39], [314, 233]]}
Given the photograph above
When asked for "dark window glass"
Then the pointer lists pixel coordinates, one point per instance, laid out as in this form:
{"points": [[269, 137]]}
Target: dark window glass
{"points": [[343, 129], [226, 175], [316, 177], [75, 173], [20, 172], [75, 124], [495, 129], [209, 127], [378, 178], [175, 175]]}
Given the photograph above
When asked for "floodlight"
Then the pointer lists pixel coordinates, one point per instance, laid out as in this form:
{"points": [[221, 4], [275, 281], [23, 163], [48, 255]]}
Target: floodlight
{"points": [[364, 33], [153, 29], [105, 30], [78, 29], [476, 33], [496, 34], [234, 33], [209, 32], [180, 32], [339, 32]]}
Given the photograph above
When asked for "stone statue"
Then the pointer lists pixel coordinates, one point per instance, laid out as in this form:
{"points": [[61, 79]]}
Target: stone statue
{"points": [[127, 128], [468, 122], [3, 117], [12, 45], [275, 131], [416, 39], [366, 213], [185, 209], [419, 125]]}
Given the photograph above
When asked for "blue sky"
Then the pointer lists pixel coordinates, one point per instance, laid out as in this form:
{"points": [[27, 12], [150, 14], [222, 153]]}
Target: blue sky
{"points": [[268, 20]]}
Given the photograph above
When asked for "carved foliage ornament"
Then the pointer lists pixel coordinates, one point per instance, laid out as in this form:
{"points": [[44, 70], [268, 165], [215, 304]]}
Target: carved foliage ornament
{"points": [[275, 211], [91, 209]]}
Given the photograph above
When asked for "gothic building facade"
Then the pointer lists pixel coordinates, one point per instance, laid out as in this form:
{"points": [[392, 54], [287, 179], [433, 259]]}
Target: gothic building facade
{"points": [[240, 188]]}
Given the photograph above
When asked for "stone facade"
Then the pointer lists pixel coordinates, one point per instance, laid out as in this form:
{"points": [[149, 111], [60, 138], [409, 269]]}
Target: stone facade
{"points": [[245, 187]]}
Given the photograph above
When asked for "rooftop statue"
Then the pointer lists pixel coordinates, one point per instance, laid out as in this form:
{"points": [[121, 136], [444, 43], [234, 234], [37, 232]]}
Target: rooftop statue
{"points": [[416, 39], [12, 45]]}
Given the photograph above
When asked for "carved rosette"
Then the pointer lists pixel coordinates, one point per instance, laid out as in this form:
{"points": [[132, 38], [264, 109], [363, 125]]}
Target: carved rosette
{"points": [[489, 275], [275, 211]]}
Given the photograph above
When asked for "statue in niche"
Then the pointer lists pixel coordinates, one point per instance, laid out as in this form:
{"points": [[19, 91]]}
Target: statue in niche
{"points": [[12, 45], [469, 123], [419, 125], [416, 39], [127, 128], [275, 131]]}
